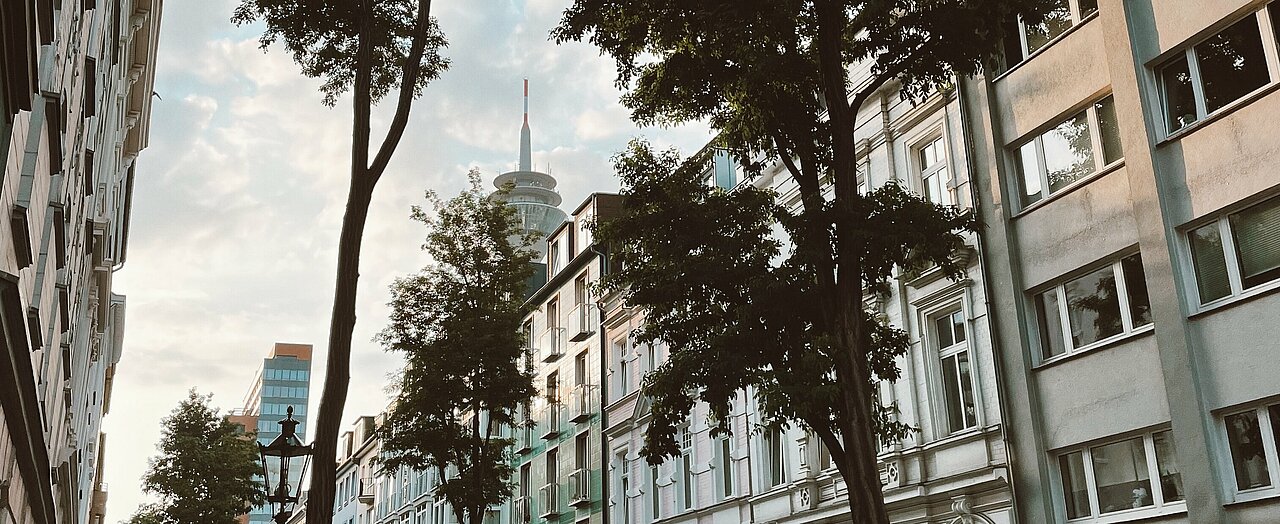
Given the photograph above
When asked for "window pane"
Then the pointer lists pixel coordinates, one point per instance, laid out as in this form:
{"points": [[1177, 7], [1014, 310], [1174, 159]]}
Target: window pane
{"points": [[1068, 152], [957, 325], [1088, 7], [1247, 454], [935, 189], [1109, 128], [1167, 465], [1029, 166], [1120, 472], [1135, 282], [943, 328], [1210, 263], [1050, 324], [1074, 488], [1093, 307], [1232, 64], [951, 390], [1055, 23], [1257, 236], [1179, 98]]}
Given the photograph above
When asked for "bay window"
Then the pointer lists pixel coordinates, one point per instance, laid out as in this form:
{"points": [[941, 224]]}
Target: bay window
{"points": [[1093, 309], [1236, 252]]}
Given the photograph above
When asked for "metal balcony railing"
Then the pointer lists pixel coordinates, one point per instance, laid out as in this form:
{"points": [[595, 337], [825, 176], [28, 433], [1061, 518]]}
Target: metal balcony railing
{"points": [[580, 403], [550, 421], [584, 321], [520, 513], [580, 487], [551, 344], [549, 501]]}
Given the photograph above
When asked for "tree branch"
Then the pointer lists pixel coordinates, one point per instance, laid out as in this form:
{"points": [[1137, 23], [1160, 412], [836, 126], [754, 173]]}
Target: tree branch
{"points": [[408, 83]]}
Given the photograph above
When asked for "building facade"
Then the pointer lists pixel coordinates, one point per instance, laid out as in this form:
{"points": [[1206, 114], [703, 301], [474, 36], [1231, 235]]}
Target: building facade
{"points": [[75, 106], [283, 382], [1125, 170]]}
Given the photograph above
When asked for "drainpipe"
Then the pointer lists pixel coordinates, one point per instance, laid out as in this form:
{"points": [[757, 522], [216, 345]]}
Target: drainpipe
{"points": [[986, 298], [605, 451]]}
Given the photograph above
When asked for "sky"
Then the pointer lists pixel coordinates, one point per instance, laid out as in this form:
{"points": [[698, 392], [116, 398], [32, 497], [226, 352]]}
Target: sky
{"points": [[239, 198]]}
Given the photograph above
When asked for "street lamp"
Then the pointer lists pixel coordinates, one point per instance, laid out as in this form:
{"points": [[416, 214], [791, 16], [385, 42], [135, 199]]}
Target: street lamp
{"points": [[283, 448]]}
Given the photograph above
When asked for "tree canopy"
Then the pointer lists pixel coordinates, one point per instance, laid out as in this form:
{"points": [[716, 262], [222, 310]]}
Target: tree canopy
{"points": [[457, 323], [205, 472], [782, 82]]}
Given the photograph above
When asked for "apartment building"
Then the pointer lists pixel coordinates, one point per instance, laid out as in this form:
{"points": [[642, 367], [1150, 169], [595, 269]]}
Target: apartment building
{"points": [[1124, 161], [75, 100]]}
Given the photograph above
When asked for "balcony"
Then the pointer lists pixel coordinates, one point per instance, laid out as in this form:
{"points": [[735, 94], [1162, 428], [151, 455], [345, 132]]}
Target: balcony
{"points": [[584, 321], [550, 422], [524, 438], [549, 501], [580, 403], [580, 487], [551, 344], [366, 491], [520, 513]]}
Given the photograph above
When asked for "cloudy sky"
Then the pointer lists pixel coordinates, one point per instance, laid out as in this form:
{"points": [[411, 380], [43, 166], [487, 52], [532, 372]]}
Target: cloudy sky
{"points": [[239, 198]]}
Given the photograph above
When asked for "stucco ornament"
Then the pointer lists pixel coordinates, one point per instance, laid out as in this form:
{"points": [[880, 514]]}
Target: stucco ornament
{"points": [[963, 507]]}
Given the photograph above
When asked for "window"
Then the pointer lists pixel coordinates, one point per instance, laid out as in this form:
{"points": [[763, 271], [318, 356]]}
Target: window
{"points": [[655, 496], [553, 314], [580, 369], [1237, 252], [553, 257], [622, 488], [1216, 72], [684, 478], [957, 377], [1251, 437], [553, 387], [1026, 39], [1093, 309], [580, 290], [1064, 154], [775, 450], [1116, 477], [934, 175], [723, 465], [622, 371]]}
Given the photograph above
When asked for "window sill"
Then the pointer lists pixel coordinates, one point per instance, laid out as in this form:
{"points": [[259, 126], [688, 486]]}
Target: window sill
{"points": [[1234, 300], [1085, 180], [1135, 515], [1114, 340], [1042, 49], [1243, 498], [1216, 115]]}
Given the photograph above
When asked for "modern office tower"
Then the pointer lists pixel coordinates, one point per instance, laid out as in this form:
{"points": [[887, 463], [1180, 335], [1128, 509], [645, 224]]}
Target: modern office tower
{"points": [[75, 104], [1126, 165], [283, 382], [533, 193]]}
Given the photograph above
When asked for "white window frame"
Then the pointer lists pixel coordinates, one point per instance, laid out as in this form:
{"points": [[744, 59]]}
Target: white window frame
{"points": [[1158, 505], [767, 465], [654, 492], [621, 352], [722, 451], [938, 357], [685, 477], [1100, 164], [1238, 291], [1127, 329], [1076, 19], [621, 500], [1269, 49], [943, 164], [1269, 448]]}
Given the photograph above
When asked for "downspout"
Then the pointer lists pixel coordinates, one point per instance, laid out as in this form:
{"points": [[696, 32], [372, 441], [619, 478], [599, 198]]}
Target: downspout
{"points": [[986, 298], [603, 369]]}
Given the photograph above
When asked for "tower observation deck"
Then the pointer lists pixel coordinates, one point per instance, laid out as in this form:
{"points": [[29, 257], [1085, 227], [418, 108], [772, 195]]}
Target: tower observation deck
{"points": [[534, 193]]}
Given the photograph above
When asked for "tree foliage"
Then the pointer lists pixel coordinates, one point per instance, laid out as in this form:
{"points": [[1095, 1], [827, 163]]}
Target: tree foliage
{"points": [[370, 47], [205, 472], [457, 324], [772, 77]]}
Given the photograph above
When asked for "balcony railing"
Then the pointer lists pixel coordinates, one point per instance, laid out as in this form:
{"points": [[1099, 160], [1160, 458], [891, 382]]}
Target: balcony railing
{"points": [[366, 490], [580, 487], [520, 513], [549, 501], [584, 321], [580, 403], [550, 421], [524, 438], [551, 344]]}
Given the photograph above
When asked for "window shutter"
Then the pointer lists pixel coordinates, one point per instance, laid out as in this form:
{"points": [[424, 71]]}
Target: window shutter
{"points": [[1257, 236]]}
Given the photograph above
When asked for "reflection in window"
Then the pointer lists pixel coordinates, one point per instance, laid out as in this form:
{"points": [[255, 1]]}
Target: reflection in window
{"points": [[957, 380], [1066, 153], [1116, 476], [933, 172], [1248, 455], [1167, 465], [1023, 39], [1227, 66], [1094, 308], [1074, 484], [1120, 471], [1056, 22]]}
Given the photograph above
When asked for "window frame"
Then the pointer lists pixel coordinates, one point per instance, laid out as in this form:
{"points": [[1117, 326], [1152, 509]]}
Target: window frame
{"points": [[686, 481], [1271, 54], [1013, 152], [1270, 447], [1159, 506], [1073, 6], [1058, 287], [620, 382], [922, 172], [1231, 258], [938, 356]]}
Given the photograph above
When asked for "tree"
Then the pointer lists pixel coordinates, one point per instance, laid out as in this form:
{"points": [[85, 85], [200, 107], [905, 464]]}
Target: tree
{"points": [[772, 78], [205, 472], [457, 323], [370, 47]]}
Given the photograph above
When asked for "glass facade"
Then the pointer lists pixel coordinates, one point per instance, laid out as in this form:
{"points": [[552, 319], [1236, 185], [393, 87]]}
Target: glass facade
{"points": [[285, 384]]}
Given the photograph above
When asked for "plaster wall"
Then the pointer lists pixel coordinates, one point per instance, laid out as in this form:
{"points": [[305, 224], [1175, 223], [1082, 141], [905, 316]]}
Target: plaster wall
{"points": [[1053, 83]]}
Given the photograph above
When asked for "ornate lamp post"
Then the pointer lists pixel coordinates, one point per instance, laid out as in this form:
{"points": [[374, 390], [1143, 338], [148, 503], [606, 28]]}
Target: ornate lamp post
{"points": [[284, 495]]}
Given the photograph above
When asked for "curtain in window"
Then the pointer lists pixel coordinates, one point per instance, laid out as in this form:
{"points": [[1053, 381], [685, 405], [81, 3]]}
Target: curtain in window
{"points": [[1257, 235]]}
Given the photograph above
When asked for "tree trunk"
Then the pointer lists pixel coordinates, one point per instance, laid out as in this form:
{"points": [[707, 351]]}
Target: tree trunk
{"points": [[337, 376]]}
